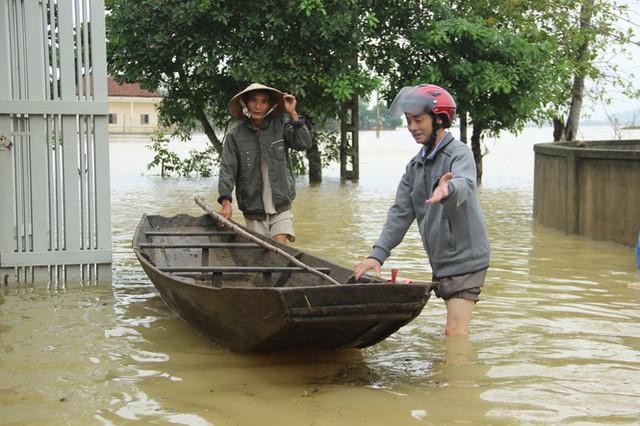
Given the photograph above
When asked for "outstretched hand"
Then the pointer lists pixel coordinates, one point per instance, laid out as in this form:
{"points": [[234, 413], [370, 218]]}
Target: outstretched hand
{"points": [[442, 190]]}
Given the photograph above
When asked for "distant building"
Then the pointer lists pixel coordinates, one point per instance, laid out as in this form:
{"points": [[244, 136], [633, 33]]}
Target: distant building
{"points": [[131, 108]]}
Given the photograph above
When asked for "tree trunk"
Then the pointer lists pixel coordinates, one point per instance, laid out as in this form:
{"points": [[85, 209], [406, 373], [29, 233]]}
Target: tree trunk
{"points": [[208, 130], [573, 121], [558, 130], [582, 56], [315, 164], [463, 126], [313, 156], [476, 148]]}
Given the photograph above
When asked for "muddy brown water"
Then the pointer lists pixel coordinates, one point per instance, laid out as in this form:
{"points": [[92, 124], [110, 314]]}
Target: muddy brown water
{"points": [[554, 340]]}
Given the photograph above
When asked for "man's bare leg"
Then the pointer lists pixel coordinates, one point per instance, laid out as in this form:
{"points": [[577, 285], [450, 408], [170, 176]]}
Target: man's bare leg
{"points": [[458, 316]]}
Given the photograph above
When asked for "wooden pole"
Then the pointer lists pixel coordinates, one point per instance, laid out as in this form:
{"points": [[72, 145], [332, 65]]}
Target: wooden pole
{"points": [[235, 228]]}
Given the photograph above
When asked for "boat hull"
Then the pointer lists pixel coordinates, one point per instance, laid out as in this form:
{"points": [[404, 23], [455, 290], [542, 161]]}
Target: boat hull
{"points": [[243, 313]]}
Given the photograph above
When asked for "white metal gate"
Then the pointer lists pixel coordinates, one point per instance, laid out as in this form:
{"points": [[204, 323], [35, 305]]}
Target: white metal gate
{"points": [[55, 222]]}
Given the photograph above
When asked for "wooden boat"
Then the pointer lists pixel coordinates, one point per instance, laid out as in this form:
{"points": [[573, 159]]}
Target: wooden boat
{"points": [[243, 296]]}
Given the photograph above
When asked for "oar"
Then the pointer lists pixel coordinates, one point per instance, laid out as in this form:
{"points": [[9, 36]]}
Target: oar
{"points": [[235, 228]]}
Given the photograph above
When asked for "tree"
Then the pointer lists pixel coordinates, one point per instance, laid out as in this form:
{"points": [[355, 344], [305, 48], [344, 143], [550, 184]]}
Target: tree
{"points": [[506, 62], [587, 38], [492, 71], [583, 36], [203, 52], [586, 31]]}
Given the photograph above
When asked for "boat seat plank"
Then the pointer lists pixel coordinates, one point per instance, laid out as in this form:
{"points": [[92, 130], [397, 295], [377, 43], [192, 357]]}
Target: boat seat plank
{"points": [[237, 269], [199, 245], [189, 233], [218, 272]]}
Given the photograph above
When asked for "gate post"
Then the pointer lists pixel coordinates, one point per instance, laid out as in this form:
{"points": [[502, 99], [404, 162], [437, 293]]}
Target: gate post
{"points": [[7, 225], [55, 219], [349, 146]]}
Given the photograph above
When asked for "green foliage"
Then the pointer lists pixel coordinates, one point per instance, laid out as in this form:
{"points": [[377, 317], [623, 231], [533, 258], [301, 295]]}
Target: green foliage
{"points": [[581, 37], [200, 163], [329, 145], [200, 53], [310, 6], [507, 62], [493, 72], [165, 159]]}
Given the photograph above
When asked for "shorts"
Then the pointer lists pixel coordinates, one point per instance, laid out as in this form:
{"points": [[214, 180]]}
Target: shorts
{"points": [[274, 224], [461, 286]]}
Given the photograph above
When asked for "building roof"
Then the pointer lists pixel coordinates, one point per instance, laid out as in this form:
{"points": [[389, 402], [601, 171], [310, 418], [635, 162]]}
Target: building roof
{"points": [[132, 90]]}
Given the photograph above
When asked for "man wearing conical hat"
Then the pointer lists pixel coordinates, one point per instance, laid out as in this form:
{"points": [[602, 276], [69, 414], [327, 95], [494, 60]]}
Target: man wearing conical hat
{"points": [[255, 160]]}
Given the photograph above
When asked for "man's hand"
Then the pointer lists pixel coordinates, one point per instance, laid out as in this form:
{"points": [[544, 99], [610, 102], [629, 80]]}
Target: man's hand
{"points": [[442, 190], [365, 265], [226, 211], [290, 103]]}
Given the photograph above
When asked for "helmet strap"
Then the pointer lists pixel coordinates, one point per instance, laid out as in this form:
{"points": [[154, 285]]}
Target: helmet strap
{"points": [[431, 142], [434, 133]]}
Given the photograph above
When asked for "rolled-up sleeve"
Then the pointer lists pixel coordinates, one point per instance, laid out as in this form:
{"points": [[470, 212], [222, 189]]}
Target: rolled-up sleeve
{"points": [[297, 135]]}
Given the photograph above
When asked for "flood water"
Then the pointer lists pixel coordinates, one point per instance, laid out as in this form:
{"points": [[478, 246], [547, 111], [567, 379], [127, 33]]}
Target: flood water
{"points": [[555, 338]]}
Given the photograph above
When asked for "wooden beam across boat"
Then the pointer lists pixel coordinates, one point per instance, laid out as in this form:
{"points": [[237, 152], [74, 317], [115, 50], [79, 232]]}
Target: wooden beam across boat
{"points": [[216, 233], [237, 269], [217, 273], [197, 245]]}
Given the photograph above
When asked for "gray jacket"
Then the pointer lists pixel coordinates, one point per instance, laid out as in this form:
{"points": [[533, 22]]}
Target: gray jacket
{"points": [[453, 232], [240, 163]]}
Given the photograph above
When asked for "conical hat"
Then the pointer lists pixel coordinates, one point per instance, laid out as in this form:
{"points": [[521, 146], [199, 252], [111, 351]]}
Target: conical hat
{"points": [[235, 104]]}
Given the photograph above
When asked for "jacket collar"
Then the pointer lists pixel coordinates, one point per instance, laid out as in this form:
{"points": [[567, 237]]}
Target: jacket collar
{"points": [[422, 158], [264, 125]]}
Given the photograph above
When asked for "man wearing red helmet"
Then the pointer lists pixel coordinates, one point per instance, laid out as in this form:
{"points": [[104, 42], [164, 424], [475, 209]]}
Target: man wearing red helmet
{"points": [[438, 189]]}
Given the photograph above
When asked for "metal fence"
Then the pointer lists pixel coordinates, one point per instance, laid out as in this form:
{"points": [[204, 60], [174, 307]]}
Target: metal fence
{"points": [[55, 223]]}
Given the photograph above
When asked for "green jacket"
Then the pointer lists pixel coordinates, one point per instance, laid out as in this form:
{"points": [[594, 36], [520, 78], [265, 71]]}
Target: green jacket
{"points": [[240, 164]]}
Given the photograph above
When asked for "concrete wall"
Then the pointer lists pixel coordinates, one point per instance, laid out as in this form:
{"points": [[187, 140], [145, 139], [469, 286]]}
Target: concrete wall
{"points": [[128, 112], [591, 190]]}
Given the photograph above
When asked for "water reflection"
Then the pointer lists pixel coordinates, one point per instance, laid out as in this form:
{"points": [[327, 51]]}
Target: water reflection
{"points": [[555, 338]]}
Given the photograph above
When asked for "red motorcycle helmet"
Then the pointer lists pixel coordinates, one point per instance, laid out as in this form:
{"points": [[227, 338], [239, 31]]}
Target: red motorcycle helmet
{"points": [[427, 98]]}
